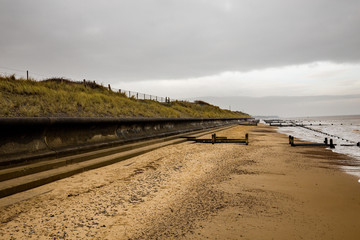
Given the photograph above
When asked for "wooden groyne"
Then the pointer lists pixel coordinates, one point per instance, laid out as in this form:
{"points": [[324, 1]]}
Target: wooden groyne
{"points": [[327, 142], [332, 137], [216, 139]]}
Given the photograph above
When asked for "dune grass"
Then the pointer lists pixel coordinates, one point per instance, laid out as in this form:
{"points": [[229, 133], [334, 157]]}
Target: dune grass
{"points": [[63, 98]]}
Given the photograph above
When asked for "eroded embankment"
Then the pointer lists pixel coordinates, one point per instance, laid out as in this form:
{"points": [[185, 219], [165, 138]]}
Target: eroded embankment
{"points": [[196, 191]]}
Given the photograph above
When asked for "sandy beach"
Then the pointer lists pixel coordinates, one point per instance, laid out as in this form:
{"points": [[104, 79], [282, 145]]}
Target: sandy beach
{"points": [[266, 190]]}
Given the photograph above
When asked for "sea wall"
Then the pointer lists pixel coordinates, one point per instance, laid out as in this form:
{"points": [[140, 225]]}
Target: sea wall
{"points": [[27, 137]]}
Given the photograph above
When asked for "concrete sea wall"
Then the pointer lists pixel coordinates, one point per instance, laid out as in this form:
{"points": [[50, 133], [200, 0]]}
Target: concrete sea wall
{"points": [[28, 138]]}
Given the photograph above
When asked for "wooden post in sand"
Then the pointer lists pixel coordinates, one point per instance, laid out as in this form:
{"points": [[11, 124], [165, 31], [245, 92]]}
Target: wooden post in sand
{"points": [[292, 141], [326, 141], [332, 144], [247, 139], [213, 138]]}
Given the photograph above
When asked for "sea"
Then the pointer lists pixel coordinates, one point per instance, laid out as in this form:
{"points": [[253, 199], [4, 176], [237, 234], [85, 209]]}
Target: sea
{"points": [[344, 130]]}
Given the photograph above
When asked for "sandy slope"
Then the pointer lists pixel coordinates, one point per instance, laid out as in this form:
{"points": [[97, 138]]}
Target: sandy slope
{"points": [[266, 190]]}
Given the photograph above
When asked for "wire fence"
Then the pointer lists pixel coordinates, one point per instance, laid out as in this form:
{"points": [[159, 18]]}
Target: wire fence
{"points": [[144, 96], [7, 71], [141, 96]]}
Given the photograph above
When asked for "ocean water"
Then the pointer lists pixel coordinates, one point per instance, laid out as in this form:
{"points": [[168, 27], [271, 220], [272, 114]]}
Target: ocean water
{"points": [[344, 130]]}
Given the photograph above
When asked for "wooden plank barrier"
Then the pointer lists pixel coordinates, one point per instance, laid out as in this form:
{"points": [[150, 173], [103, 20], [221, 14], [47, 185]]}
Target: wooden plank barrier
{"points": [[216, 139], [327, 142], [292, 143]]}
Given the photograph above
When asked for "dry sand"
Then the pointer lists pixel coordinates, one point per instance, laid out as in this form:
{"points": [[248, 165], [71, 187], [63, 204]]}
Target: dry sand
{"points": [[266, 190]]}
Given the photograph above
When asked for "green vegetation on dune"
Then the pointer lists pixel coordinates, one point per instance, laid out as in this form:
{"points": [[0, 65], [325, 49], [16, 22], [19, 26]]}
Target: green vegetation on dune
{"points": [[64, 98]]}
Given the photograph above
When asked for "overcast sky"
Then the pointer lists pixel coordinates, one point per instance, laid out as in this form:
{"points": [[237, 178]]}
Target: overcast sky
{"points": [[191, 48]]}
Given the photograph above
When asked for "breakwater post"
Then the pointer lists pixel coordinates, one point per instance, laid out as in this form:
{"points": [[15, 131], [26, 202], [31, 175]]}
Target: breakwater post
{"points": [[291, 140], [332, 144], [213, 138]]}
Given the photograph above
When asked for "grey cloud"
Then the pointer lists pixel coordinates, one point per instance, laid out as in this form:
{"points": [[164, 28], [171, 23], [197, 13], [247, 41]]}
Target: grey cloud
{"points": [[136, 40]]}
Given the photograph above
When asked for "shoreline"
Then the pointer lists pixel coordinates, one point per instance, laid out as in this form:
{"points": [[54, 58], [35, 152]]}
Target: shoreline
{"points": [[264, 190], [351, 167]]}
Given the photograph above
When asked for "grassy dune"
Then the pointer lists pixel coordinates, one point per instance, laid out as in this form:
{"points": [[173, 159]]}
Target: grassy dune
{"points": [[64, 98]]}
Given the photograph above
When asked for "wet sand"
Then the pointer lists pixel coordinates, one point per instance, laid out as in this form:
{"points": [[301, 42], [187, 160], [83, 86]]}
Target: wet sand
{"points": [[266, 190]]}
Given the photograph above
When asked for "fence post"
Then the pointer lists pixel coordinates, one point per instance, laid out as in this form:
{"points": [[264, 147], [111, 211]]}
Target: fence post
{"points": [[326, 141], [27, 75], [247, 139], [84, 82], [137, 95], [109, 87]]}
